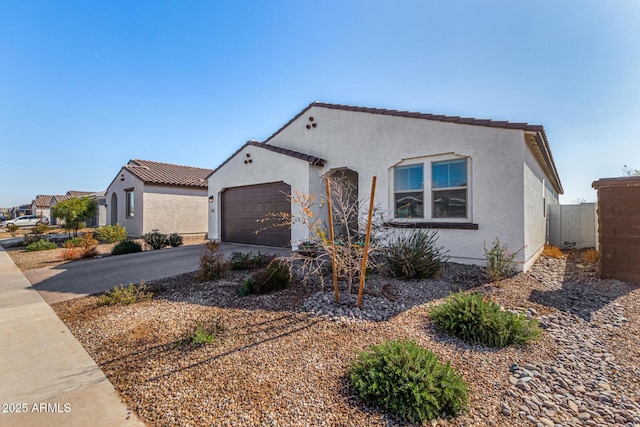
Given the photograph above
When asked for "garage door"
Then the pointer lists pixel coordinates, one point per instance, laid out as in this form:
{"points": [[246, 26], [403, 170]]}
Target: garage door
{"points": [[243, 207]]}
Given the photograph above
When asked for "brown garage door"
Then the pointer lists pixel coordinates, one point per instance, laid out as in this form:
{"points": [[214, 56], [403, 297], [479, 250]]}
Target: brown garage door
{"points": [[243, 207]]}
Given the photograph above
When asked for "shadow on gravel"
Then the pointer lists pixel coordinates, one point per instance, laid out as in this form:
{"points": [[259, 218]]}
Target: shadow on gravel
{"points": [[582, 293]]}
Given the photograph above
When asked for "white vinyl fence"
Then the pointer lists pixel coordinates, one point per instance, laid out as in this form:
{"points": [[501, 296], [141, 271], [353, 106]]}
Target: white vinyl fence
{"points": [[573, 226]]}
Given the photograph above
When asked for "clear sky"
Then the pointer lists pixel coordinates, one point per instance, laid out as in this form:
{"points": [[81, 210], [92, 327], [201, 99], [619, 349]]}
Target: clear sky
{"points": [[87, 85]]}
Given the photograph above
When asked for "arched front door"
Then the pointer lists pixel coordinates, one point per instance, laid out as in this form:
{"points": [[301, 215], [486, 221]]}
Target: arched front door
{"points": [[114, 209]]}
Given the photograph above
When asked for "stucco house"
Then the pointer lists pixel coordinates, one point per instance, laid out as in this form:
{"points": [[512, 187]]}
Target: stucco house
{"points": [[147, 195], [473, 180], [98, 220], [41, 205]]}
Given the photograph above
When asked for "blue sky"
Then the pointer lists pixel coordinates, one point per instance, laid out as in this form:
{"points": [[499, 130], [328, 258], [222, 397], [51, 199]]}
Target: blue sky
{"points": [[86, 86]]}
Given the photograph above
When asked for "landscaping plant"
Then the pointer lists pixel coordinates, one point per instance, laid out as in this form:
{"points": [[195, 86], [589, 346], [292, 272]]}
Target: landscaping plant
{"points": [[74, 211], [553, 251], [248, 261], [124, 296], [174, 240], [41, 245], [111, 233], [212, 264], [500, 261], [13, 229], [414, 254], [205, 335], [275, 277], [155, 239], [591, 256], [476, 319], [126, 246], [409, 381]]}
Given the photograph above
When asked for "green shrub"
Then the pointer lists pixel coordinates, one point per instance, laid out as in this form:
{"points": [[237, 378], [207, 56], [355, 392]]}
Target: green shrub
{"points": [[174, 240], [414, 255], [206, 335], [13, 229], [124, 296], [40, 229], [41, 245], [212, 264], [244, 261], [111, 233], [409, 381], [81, 225], [476, 319], [500, 260], [126, 247], [273, 278], [74, 242], [155, 239]]}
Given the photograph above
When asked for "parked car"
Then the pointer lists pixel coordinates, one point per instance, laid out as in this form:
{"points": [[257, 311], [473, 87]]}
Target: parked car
{"points": [[25, 221]]}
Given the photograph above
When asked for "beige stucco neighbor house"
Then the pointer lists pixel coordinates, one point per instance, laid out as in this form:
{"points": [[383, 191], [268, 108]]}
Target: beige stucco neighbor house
{"points": [[147, 195], [473, 180], [100, 217], [41, 205]]}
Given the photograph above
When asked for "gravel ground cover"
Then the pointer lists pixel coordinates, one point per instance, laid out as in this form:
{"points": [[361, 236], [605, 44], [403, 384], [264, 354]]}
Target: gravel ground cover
{"points": [[42, 259], [281, 359]]}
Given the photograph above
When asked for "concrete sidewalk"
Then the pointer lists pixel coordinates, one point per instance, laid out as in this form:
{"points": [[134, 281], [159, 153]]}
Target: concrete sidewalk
{"points": [[44, 371]]}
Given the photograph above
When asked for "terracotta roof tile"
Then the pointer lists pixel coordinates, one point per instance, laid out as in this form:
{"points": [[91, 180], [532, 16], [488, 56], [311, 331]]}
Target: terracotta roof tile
{"points": [[74, 193], [43, 200], [168, 174]]}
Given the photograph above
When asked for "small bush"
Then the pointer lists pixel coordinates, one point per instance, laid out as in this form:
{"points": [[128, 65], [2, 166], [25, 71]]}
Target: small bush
{"points": [[40, 229], [71, 253], [476, 319], [81, 225], [273, 278], [74, 242], [409, 381], [212, 264], [206, 335], [500, 260], [89, 245], [590, 256], [155, 239], [124, 296], [414, 255], [41, 245], [13, 229], [552, 251], [126, 247], [174, 240], [111, 233], [244, 261], [31, 238]]}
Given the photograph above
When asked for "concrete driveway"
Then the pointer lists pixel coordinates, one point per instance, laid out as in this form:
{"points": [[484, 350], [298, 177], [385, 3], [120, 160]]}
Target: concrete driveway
{"points": [[81, 278]]}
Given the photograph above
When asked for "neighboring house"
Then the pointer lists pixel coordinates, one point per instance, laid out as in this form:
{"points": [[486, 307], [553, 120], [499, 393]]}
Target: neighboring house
{"points": [[472, 180], [17, 211], [41, 205], [98, 220], [147, 195]]}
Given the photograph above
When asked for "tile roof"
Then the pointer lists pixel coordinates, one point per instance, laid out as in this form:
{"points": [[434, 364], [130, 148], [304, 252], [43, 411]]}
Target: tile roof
{"points": [[74, 193], [415, 115], [541, 137], [316, 161], [43, 200], [61, 197], [168, 174]]}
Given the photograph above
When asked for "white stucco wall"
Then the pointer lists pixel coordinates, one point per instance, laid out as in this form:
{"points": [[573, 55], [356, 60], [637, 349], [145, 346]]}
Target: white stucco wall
{"points": [[504, 179], [133, 225], [265, 167], [372, 144], [173, 209]]}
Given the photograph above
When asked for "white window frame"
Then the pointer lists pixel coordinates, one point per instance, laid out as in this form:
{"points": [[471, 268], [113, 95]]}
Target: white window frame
{"points": [[427, 162], [394, 192], [129, 202], [466, 187]]}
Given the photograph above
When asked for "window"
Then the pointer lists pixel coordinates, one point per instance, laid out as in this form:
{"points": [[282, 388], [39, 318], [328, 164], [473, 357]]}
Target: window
{"points": [[129, 202], [449, 189], [409, 191]]}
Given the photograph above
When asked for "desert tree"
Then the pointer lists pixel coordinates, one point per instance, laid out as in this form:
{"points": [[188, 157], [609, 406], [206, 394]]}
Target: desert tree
{"points": [[73, 211], [319, 255]]}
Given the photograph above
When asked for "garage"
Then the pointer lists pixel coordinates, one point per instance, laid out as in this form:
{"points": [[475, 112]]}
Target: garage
{"points": [[244, 207]]}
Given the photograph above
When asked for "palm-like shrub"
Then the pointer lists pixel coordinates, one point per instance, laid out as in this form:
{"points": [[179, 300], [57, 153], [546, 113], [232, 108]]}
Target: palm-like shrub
{"points": [[409, 381], [414, 254], [476, 319]]}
